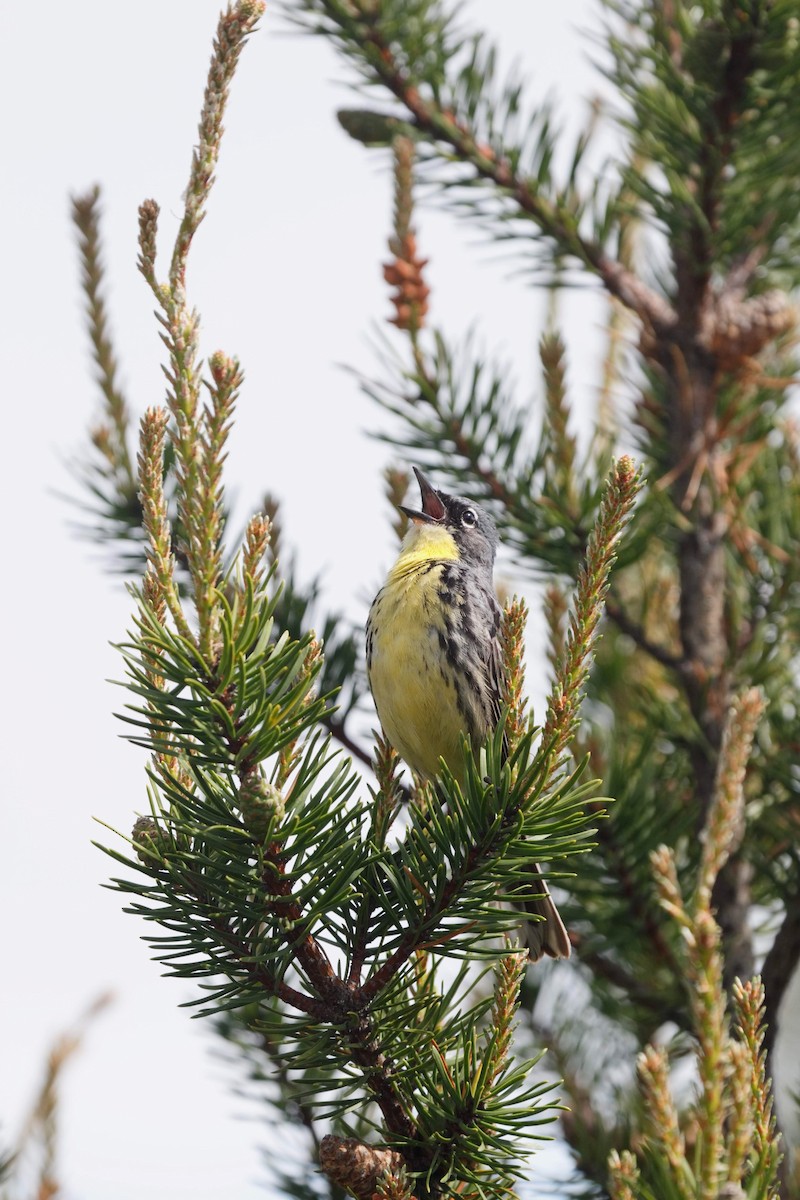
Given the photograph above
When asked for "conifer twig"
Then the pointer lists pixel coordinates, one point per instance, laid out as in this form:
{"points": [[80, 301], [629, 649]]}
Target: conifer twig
{"points": [[561, 444], [404, 273], [563, 702], [741, 1122], [734, 1129], [198, 440], [724, 825], [555, 220], [509, 974], [235, 26], [662, 1116], [113, 438], [623, 1175], [160, 582], [749, 1001], [394, 1185], [226, 380], [512, 634], [257, 541]]}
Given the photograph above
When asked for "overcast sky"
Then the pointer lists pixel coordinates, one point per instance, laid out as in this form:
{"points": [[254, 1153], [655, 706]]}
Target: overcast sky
{"points": [[286, 272]]}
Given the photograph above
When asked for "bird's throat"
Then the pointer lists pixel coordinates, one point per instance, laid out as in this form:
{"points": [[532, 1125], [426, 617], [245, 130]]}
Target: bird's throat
{"points": [[423, 544]]}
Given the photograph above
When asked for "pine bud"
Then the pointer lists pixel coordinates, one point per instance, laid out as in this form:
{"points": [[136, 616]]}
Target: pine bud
{"points": [[372, 128], [260, 803], [151, 841]]}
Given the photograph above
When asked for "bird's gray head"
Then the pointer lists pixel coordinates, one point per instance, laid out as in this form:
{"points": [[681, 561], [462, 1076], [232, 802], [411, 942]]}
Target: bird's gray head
{"points": [[471, 527]]}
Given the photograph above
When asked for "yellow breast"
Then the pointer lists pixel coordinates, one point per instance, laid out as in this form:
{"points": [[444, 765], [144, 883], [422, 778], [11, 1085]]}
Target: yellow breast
{"points": [[411, 681]]}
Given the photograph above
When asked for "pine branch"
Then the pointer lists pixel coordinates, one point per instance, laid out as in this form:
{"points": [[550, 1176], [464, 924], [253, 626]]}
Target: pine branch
{"points": [[623, 1175], [364, 32], [234, 28], [115, 495], [668, 1140], [107, 475], [404, 273], [111, 439], [696, 109], [563, 702], [725, 825], [161, 587], [750, 1009], [735, 1138], [199, 504]]}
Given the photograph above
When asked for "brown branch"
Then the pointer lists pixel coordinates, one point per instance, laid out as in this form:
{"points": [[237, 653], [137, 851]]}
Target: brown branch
{"points": [[636, 633], [779, 966], [342, 1003], [691, 370], [264, 977], [278, 893], [337, 730], [366, 1052], [291, 921], [340, 1000]]}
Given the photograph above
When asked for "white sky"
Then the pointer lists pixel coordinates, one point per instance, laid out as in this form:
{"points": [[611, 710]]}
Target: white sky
{"points": [[286, 272]]}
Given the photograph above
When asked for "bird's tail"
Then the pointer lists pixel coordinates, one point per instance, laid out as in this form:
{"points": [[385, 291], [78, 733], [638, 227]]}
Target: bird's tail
{"points": [[548, 934]]}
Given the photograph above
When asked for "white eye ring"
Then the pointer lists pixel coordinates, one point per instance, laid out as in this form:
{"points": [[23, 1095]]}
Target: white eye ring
{"points": [[469, 517]]}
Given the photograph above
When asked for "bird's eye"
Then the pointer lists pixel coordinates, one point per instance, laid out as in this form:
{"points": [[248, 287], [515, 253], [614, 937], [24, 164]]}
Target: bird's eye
{"points": [[469, 518]]}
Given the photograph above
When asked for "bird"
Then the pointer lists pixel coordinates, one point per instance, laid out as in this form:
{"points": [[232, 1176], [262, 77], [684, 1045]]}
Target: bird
{"points": [[434, 659]]}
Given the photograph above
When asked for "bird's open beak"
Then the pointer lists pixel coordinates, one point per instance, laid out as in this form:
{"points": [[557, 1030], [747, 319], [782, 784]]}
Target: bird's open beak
{"points": [[432, 507]]}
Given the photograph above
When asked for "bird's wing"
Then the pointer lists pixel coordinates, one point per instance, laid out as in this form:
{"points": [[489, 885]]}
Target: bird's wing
{"points": [[494, 665]]}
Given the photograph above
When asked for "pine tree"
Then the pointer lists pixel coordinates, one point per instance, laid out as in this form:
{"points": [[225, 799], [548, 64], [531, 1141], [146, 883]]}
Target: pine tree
{"points": [[357, 941]]}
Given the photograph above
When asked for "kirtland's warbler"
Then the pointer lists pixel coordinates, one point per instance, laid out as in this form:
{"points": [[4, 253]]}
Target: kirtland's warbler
{"points": [[434, 659]]}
